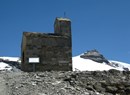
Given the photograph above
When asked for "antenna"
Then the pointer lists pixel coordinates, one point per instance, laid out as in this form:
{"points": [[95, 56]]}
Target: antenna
{"points": [[64, 14]]}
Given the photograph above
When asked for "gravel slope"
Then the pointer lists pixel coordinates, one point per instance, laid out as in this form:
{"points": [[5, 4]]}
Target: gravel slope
{"points": [[110, 82]]}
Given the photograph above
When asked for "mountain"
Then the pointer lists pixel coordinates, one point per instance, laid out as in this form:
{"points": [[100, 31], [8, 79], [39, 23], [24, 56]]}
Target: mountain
{"points": [[92, 61]]}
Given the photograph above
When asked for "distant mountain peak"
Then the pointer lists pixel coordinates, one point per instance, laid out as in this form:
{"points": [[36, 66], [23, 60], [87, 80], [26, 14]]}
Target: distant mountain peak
{"points": [[93, 60], [95, 56]]}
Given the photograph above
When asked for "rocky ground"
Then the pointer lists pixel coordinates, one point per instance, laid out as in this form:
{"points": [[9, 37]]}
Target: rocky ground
{"points": [[110, 82]]}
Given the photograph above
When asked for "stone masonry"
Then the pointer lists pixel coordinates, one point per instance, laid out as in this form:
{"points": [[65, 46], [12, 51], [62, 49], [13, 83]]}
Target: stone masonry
{"points": [[54, 50]]}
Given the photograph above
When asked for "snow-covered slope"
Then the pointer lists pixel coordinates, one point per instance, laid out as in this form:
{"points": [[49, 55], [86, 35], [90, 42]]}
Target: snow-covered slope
{"points": [[4, 66], [6, 63], [120, 65], [82, 64]]}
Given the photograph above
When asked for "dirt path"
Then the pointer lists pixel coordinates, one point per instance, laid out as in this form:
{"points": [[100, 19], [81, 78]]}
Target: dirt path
{"points": [[3, 90]]}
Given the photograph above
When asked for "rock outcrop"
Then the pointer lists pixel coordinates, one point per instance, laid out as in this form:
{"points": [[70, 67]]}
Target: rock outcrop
{"points": [[95, 56]]}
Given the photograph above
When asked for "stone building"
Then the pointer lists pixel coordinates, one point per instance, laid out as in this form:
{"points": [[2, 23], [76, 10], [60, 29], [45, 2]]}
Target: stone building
{"points": [[48, 51]]}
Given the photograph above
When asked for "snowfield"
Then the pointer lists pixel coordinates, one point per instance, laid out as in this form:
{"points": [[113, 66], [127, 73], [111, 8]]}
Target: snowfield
{"points": [[81, 64], [88, 65]]}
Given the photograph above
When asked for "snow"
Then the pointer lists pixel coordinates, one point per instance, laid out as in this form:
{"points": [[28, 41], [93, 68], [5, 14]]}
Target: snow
{"points": [[10, 58], [4, 66], [121, 64], [81, 64], [89, 65]]}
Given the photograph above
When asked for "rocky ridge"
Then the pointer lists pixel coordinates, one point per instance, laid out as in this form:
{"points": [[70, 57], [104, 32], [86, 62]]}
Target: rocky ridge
{"points": [[95, 56]]}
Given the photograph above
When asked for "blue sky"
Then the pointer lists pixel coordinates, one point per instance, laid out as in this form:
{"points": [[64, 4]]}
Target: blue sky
{"points": [[96, 24]]}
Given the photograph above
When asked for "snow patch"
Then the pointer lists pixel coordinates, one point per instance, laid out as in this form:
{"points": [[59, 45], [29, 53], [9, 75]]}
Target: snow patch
{"points": [[4, 66], [10, 58], [81, 64]]}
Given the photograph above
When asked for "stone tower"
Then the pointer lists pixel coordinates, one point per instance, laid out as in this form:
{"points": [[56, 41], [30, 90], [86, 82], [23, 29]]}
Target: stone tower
{"points": [[53, 51], [62, 26]]}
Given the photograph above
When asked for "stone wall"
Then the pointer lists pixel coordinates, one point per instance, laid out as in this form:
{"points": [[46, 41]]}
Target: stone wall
{"points": [[54, 52]]}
